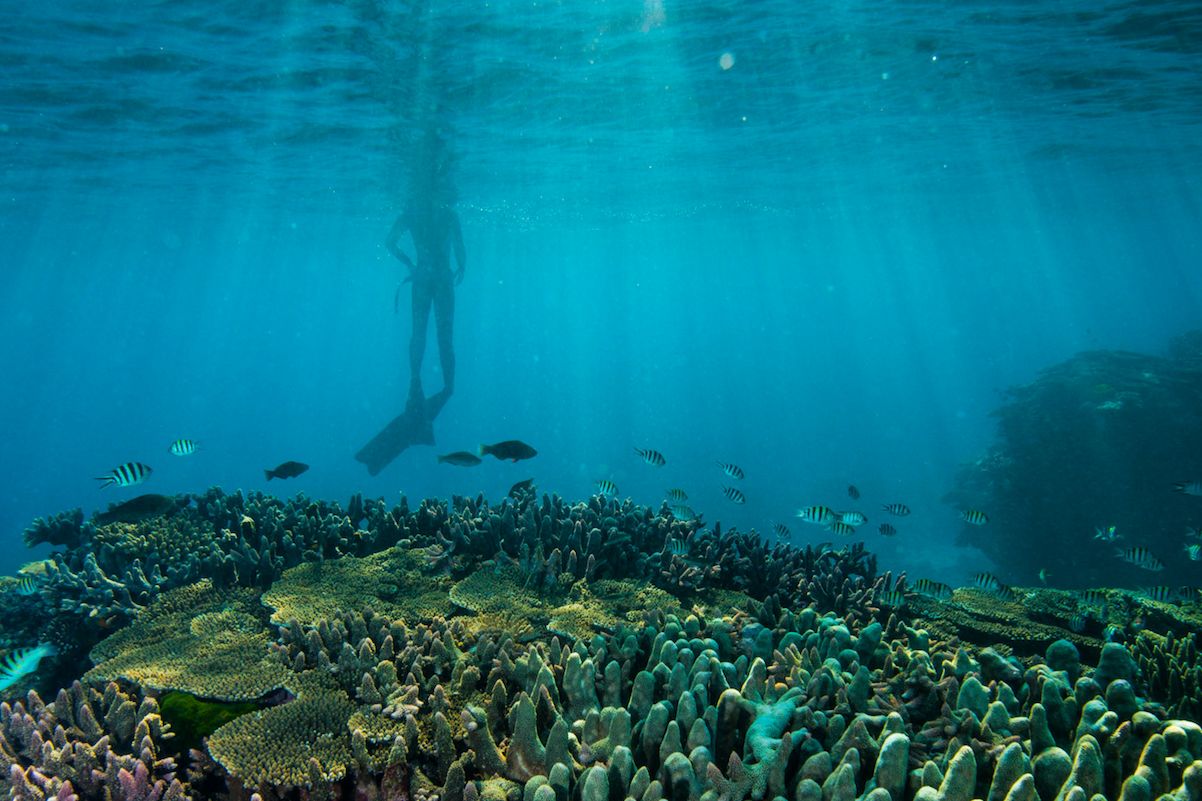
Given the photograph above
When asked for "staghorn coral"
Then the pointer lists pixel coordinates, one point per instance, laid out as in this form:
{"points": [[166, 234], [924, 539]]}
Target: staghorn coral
{"points": [[97, 743]]}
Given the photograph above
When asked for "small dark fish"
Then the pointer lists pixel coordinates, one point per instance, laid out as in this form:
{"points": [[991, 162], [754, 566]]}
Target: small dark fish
{"points": [[460, 459], [852, 492], [781, 530], [183, 447], [1188, 487], [135, 510], [1141, 557], [676, 495], [607, 488], [935, 589], [651, 457], [899, 509], [512, 449], [886, 530], [974, 517], [125, 475], [734, 495], [286, 470], [522, 487], [732, 470]]}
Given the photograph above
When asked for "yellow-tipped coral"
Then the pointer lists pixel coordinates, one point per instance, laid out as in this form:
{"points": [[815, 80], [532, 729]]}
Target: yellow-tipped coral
{"points": [[198, 640], [299, 743], [389, 583]]}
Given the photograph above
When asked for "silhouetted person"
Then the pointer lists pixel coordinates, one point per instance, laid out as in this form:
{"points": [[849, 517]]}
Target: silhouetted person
{"points": [[429, 218]]}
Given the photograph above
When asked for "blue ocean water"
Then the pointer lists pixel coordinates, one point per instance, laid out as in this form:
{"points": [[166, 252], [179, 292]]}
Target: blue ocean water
{"points": [[817, 241]]}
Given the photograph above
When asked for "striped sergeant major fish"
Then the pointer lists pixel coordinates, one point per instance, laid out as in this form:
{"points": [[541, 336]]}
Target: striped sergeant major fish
{"points": [[898, 509], [677, 495], [852, 518], [822, 515], [1162, 594], [183, 447], [651, 457], [20, 663], [782, 531], [886, 530], [27, 584], [607, 488], [892, 598], [974, 517], [677, 546], [1141, 557], [989, 583], [842, 529], [935, 589], [734, 495], [1092, 597], [732, 470], [1188, 487], [125, 475], [682, 511]]}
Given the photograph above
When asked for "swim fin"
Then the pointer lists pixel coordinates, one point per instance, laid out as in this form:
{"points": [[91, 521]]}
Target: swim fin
{"points": [[414, 426]]}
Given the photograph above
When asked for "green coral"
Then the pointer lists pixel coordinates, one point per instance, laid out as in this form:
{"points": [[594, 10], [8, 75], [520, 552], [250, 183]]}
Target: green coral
{"points": [[389, 583], [196, 639], [192, 719]]}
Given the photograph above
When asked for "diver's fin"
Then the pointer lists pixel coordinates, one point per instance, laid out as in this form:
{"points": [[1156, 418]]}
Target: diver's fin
{"points": [[414, 426]]}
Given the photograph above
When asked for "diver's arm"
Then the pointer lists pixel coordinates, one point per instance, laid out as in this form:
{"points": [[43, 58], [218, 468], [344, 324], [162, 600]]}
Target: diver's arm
{"points": [[457, 243], [392, 242]]}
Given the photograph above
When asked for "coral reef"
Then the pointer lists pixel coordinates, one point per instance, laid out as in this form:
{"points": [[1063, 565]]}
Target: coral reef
{"points": [[1111, 465], [547, 651]]}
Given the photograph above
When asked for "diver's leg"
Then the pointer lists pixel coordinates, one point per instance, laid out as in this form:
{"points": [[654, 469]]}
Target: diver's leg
{"points": [[444, 322], [417, 339]]}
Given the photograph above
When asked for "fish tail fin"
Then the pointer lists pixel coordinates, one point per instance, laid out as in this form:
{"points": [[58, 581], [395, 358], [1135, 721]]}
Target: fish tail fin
{"points": [[105, 481], [270, 475], [483, 450], [442, 459]]}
